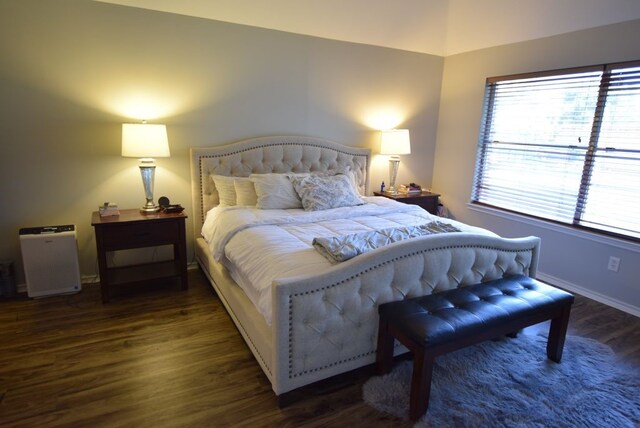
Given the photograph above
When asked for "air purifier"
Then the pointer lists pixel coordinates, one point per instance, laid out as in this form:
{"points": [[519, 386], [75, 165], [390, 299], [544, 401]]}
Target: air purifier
{"points": [[50, 259]]}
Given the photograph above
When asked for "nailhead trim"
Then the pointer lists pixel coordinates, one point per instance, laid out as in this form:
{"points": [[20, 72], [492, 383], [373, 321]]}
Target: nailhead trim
{"points": [[293, 375]]}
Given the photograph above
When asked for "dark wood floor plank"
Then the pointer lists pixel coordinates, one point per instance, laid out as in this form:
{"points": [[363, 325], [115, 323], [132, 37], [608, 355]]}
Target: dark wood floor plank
{"points": [[172, 358]]}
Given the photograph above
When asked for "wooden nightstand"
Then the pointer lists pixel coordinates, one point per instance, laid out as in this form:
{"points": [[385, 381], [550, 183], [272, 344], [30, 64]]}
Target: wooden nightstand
{"points": [[426, 200], [131, 229]]}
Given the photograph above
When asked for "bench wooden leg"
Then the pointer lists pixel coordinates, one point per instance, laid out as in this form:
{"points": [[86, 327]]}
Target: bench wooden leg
{"points": [[384, 355], [420, 383], [557, 334]]}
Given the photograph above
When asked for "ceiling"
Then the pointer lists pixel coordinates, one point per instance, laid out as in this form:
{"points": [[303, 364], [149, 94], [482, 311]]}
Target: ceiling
{"points": [[437, 27]]}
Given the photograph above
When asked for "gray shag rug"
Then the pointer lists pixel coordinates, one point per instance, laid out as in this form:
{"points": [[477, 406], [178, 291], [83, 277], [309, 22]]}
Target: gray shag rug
{"points": [[511, 383]]}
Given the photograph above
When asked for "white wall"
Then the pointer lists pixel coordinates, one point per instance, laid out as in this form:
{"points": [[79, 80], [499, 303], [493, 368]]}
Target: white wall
{"points": [[72, 71], [574, 261]]}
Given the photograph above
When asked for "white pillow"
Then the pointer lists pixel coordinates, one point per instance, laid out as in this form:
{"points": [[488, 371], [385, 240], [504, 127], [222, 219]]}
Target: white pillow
{"points": [[353, 177], [245, 191], [226, 190], [319, 192], [275, 191]]}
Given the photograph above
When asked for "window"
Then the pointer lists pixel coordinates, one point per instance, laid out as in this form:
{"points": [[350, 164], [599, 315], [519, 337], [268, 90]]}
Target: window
{"points": [[564, 146]]}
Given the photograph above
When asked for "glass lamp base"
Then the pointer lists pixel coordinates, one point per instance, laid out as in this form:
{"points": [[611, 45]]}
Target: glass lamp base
{"points": [[147, 171], [149, 209], [394, 162]]}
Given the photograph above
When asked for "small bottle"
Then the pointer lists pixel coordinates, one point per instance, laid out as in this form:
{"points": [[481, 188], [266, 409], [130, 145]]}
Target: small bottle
{"points": [[382, 187]]}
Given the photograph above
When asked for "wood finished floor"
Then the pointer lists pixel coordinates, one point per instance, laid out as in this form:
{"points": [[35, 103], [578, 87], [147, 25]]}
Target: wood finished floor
{"points": [[172, 358]]}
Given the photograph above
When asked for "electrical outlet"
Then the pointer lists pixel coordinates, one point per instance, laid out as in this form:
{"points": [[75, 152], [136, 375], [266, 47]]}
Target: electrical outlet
{"points": [[614, 263]]}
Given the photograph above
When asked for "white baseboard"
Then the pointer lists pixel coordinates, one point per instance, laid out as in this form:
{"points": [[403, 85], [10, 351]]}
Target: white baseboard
{"points": [[89, 279], [593, 295], [598, 297], [93, 278]]}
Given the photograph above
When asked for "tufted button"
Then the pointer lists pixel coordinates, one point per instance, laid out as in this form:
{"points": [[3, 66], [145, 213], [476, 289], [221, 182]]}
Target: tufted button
{"points": [[324, 298], [341, 312]]}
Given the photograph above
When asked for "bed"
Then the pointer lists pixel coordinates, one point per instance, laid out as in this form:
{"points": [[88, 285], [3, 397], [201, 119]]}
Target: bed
{"points": [[322, 321]]}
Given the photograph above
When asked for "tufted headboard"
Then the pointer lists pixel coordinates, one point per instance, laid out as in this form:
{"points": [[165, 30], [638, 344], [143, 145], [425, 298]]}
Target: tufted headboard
{"points": [[270, 154]]}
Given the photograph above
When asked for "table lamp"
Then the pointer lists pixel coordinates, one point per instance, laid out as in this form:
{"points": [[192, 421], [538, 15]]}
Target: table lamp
{"points": [[145, 142], [394, 142]]}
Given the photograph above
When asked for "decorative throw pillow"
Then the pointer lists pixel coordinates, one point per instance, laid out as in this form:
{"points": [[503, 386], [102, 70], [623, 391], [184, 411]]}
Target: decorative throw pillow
{"points": [[275, 191], [319, 192], [245, 191], [226, 190]]}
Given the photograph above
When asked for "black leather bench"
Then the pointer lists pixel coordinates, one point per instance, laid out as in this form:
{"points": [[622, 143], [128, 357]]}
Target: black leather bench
{"points": [[446, 321]]}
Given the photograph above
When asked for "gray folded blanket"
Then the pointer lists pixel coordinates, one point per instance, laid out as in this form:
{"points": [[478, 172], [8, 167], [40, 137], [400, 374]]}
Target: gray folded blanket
{"points": [[341, 248]]}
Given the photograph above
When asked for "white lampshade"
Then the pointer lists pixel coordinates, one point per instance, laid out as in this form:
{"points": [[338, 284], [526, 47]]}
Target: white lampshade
{"points": [[395, 142], [143, 140]]}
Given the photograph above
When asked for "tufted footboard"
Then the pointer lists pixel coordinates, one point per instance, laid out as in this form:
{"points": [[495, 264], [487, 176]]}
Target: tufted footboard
{"points": [[326, 325]]}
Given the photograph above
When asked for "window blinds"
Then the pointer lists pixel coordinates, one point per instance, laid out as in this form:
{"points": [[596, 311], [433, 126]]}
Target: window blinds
{"points": [[564, 146]]}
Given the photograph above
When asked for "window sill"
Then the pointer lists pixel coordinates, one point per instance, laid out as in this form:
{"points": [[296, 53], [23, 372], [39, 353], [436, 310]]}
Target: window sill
{"points": [[567, 230]]}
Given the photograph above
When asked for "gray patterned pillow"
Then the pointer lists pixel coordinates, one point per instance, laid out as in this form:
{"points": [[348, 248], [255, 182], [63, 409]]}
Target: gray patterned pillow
{"points": [[319, 192]]}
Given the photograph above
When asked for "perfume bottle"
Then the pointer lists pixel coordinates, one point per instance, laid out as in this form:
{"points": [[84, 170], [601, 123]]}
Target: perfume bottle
{"points": [[382, 186]]}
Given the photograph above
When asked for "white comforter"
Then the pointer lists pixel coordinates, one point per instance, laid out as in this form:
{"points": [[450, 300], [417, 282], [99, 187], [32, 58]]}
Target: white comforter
{"points": [[259, 246]]}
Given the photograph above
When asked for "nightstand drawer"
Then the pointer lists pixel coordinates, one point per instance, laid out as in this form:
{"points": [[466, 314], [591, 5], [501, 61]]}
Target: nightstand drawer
{"points": [[140, 234]]}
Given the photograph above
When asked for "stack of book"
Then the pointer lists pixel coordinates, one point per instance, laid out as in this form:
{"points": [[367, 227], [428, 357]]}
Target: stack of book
{"points": [[108, 210], [410, 188]]}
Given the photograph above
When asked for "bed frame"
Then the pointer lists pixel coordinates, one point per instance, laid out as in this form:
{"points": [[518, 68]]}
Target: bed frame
{"points": [[301, 348]]}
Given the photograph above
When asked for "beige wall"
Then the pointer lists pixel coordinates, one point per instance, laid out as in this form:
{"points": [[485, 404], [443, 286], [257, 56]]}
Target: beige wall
{"points": [[72, 71], [577, 262]]}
